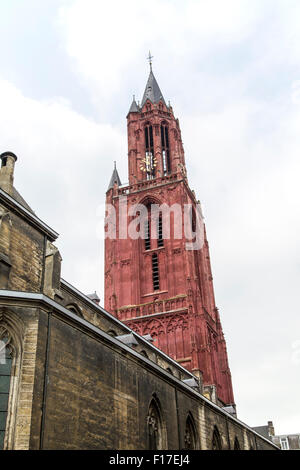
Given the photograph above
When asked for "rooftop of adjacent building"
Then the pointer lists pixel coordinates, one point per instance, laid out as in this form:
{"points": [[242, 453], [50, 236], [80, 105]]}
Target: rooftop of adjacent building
{"points": [[287, 441]]}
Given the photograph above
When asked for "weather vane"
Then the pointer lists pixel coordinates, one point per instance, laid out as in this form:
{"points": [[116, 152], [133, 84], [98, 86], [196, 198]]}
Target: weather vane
{"points": [[150, 57]]}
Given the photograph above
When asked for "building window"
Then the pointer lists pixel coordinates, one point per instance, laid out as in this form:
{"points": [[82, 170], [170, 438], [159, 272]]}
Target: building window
{"points": [[147, 234], [190, 434], [237, 444], [11, 340], [155, 427], [165, 149], [6, 357], [149, 151], [158, 222], [5, 267], [160, 240], [216, 440], [284, 443], [155, 272]]}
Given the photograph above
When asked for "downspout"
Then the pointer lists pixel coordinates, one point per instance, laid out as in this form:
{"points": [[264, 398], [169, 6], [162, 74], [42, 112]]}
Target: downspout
{"points": [[44, 264], [46, 381], [227, 429], [178, 423]]}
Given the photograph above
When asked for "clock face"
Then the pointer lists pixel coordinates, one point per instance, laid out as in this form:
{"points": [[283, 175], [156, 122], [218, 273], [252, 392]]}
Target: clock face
{"points": [[148, 164]]}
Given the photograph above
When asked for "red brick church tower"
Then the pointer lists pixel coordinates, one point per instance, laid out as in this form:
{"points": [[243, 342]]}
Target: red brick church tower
{"points": [[155, 284]]}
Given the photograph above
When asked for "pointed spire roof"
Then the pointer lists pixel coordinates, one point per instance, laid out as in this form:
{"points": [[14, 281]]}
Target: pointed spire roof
{"points": [[152, 91], [114, 179], [134, 107]]}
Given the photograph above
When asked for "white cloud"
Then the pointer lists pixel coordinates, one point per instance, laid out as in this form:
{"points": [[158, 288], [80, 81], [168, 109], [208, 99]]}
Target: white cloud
{"points": [[108, 43], [65, 162], [247, 180]]}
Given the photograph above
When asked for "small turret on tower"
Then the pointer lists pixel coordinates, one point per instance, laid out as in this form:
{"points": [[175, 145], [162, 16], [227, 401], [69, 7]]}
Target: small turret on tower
{"points": [[115, 179], [134, 108]]}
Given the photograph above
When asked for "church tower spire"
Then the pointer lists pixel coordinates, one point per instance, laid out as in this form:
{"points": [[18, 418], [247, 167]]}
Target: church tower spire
{"points": [[152, 91], [154, 138], [154, 283]]}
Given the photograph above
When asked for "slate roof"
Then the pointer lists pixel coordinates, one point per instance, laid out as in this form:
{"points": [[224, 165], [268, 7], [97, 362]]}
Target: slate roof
{"points": [[17, 196], [152, 91], [134, 107], [114, 179]]}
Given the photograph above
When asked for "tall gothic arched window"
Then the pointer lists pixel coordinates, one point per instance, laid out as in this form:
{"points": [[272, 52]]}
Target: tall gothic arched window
{"points": [[149, 152], [216, 440], [160, 238], [155, 427], [190, 440], [147, 228], [165, 148], [153, 218], [6, 358], [11, 340]]}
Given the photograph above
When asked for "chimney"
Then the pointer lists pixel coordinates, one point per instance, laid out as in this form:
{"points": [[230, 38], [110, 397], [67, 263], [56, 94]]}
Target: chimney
{"points": [[271, 429], [8, 160]]}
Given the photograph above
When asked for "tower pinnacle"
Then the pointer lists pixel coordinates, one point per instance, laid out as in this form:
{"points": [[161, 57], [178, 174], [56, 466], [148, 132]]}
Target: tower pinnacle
{"points": [[115, 179]]}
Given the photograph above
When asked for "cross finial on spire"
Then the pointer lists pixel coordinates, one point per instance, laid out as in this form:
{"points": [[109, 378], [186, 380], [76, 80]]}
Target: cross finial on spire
{"points": [[150, 57]]}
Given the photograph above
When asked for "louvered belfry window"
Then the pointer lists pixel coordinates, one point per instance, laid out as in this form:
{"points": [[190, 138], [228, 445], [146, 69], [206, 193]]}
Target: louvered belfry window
{"points": [[155, 272], [160, 240], [147, 235]]}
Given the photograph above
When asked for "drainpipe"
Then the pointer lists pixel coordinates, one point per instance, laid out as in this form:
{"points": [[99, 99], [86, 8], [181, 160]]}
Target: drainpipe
{"points": [[46, 381]]}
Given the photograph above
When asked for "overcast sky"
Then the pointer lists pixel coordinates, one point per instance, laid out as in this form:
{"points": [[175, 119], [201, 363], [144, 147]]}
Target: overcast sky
{"points": [[231, 69]]}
